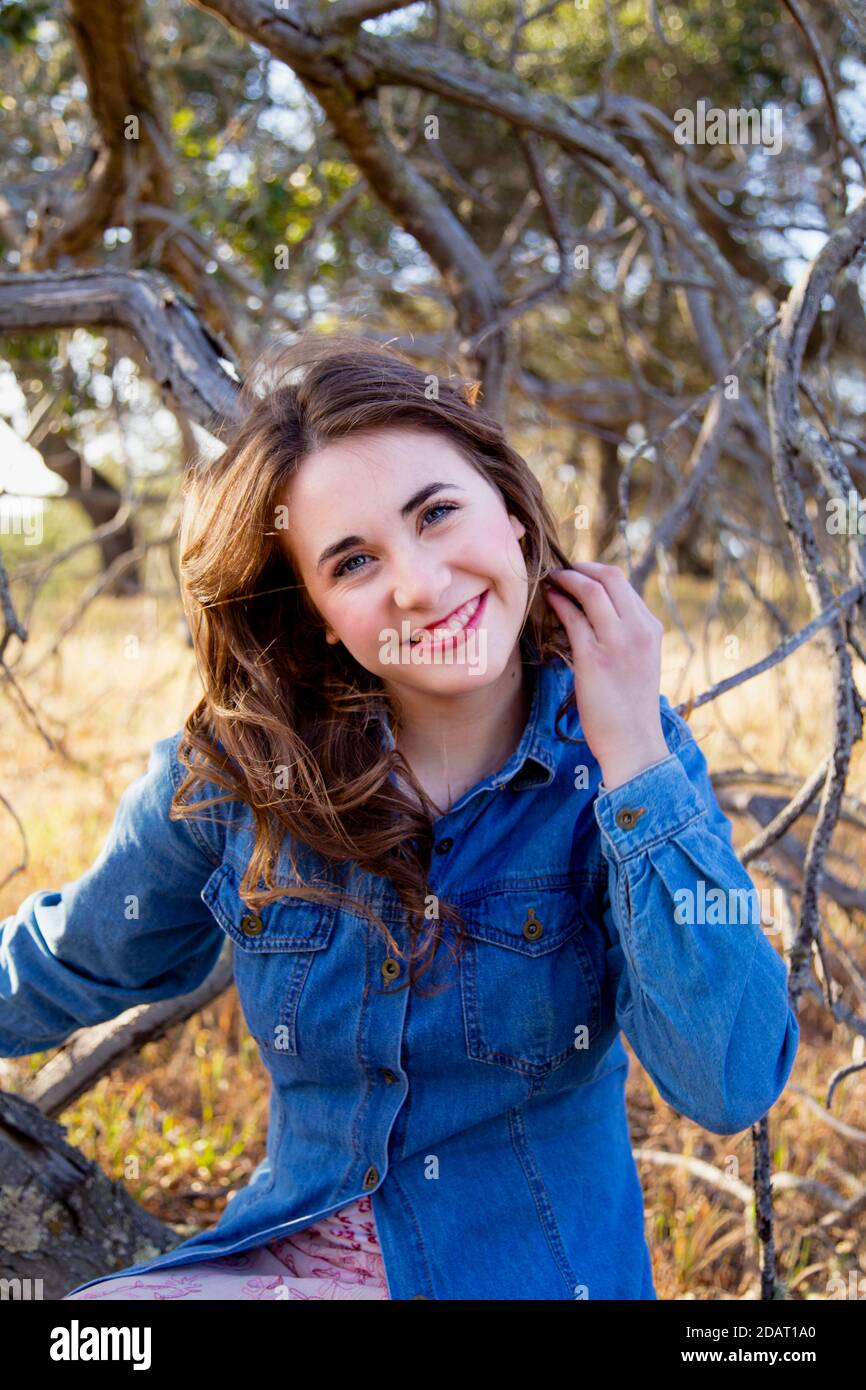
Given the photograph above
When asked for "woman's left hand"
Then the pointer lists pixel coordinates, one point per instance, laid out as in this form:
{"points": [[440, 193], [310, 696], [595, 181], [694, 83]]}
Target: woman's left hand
{"points": [[616, 645]]}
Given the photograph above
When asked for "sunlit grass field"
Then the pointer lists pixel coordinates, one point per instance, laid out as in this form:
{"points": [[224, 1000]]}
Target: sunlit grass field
{"points": [[183, 1122]]}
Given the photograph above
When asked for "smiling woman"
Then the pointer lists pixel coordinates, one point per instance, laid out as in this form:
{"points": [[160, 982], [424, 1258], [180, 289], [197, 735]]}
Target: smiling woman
{"points": [[428, 559], [374, 511], [366, 806]]}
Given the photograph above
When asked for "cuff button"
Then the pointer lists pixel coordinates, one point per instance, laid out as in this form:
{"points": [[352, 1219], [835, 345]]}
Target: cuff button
{"points": [[629, 816]]}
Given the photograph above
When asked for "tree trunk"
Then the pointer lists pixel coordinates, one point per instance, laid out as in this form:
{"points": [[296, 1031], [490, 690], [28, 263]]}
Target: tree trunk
{"points": [[62, 1221]]}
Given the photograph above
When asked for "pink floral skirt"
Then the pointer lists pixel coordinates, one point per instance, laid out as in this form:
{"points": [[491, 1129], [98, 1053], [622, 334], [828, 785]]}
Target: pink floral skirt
{"points": [[337, 1257]]}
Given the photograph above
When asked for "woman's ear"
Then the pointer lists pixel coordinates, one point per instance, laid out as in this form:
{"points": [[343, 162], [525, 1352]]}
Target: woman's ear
{"points": [[517, 526], [331, 636]]}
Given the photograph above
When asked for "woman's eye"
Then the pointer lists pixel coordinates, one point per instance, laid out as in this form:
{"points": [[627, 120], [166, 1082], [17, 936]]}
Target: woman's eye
{"points": [[441, 507], [344, 565]]}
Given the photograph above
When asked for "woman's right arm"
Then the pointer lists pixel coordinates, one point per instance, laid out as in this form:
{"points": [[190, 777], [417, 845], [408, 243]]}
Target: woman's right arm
{"points": [[131, 930]]}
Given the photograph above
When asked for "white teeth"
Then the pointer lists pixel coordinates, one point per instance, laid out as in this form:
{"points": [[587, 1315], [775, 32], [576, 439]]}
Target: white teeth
{"points": [[457, 621]]}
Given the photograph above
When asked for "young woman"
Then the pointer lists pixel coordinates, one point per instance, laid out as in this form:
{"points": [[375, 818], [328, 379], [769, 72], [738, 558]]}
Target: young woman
{"points": [[459, 842]]}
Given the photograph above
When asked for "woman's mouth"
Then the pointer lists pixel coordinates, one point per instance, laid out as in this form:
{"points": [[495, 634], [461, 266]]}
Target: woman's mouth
{"points": [[447, 629]]}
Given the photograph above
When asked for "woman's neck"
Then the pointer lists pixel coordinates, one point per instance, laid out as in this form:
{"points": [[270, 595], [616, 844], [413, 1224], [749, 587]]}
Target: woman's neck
{"points": [[453, 741]]}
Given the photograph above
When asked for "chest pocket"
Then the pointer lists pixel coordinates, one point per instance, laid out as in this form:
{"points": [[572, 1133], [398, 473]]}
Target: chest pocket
{"points": [[275, 950], [529, 976]]}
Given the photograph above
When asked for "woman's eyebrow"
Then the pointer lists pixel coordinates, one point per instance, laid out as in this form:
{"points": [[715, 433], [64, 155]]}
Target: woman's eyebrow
{"points": [[414, 501]]}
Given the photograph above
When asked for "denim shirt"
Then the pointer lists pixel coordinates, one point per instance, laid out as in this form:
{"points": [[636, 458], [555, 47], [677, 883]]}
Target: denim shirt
{"points": [[488, 1121]]}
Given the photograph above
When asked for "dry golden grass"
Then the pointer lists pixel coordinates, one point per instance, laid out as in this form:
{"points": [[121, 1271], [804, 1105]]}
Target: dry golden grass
{"points": [[184, 1122]]}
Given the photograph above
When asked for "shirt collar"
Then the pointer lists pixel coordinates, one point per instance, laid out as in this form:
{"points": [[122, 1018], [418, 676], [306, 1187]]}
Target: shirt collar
{"points": [[534, 761]]}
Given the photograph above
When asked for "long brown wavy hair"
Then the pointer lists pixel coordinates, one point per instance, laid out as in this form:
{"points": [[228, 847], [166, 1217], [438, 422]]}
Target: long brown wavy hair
{"points": [[277, 695]]}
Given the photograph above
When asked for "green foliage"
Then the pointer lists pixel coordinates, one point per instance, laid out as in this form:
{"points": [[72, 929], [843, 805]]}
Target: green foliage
{"points": [[19, 20]]}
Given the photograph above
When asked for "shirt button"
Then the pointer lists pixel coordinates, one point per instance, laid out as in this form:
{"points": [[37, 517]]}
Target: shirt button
{"points": [[388, 1075], [629, 816], [532, 928], [371, 1177], [444, 846], [390, 968], [252, 925]]}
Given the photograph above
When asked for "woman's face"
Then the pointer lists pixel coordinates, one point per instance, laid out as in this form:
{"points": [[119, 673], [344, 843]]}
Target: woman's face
{"points": [[393, 532]]}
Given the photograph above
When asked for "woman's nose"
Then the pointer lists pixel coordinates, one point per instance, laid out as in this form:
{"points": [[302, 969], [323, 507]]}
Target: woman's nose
{"points": [[419, 598], [421, 586]]}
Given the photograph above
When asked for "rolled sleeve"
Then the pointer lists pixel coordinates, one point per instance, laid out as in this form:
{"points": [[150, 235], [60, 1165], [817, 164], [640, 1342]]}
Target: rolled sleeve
{"points": [[701, 993]]}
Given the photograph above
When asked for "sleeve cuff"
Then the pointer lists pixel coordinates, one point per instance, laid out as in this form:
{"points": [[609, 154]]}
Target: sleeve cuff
{"points": [[657, 803]]}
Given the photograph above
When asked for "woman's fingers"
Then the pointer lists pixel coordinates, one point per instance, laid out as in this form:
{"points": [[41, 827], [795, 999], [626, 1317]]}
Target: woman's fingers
{"points": [[577, 625], [594, 597], [623, 595]]}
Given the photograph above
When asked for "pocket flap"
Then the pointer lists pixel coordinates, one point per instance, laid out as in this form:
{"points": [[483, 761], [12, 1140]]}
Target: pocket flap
{"points": [[533, 915], [287, 924]]}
